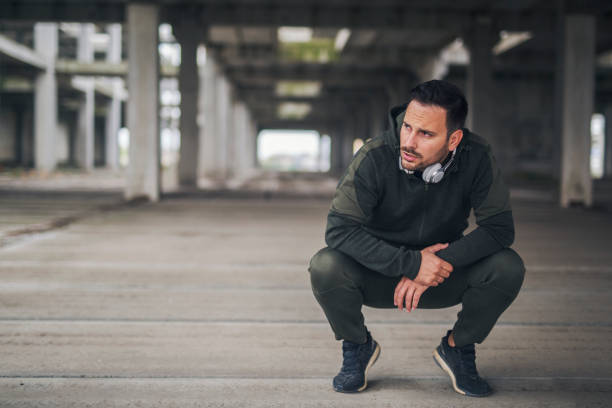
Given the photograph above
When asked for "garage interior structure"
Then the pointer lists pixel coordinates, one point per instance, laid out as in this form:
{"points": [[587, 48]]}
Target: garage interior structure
{"points": [[112, 296], [73, 73]]}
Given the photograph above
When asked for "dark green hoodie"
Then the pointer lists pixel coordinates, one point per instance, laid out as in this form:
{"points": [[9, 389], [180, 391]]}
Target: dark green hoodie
{"points": [[382, 217]]}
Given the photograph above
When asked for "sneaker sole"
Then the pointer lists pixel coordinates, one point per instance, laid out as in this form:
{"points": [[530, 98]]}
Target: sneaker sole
{"points": [[442, 364], [373, 359], [371, 362]]}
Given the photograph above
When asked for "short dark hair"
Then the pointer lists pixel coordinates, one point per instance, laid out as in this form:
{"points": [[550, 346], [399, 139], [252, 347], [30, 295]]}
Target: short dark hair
{"points": [[445, 95]]}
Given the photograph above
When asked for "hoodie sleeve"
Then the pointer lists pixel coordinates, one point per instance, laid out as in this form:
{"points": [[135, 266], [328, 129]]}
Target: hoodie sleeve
{"points": [[490, 199], [356, 196]]}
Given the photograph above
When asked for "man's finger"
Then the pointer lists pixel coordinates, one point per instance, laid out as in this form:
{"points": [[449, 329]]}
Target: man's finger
{"points": [[397, 291], [408, 298], [446, 266], [417, 296], [399, 285], [399, 300], [436, 247]]}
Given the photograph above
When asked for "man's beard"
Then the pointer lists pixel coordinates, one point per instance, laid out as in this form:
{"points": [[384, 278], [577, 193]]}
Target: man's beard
{"points": [[442, 153], [412, 152]]}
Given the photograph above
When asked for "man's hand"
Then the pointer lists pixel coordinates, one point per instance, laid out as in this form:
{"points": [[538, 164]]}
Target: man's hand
{"points": [[433, 269], [408, 292]]}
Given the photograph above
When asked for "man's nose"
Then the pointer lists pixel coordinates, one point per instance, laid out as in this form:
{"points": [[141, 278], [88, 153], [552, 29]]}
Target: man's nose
{"points": [[410, 138]]}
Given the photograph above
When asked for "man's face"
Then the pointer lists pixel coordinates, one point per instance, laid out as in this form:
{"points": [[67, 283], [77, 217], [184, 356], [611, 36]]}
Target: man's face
{"points": [[423, 138]]}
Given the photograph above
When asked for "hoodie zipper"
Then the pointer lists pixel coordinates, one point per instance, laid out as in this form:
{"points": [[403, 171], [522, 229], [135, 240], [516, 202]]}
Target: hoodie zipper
{"points": [[424, 212]]}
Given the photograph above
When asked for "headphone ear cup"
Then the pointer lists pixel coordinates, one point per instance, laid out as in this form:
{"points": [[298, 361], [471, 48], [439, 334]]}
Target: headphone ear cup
{"points": [[432, 174], [437, 176]]}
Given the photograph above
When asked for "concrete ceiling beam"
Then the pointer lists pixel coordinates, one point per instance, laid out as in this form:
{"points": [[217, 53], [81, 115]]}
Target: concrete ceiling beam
{"points": [[349, 77], [323, 15], [20, 53], [61, 10], [103, 68]]}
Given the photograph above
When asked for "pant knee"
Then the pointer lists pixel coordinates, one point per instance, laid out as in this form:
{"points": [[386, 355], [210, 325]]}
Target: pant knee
{"points": [[507, 271], [326, 270]]}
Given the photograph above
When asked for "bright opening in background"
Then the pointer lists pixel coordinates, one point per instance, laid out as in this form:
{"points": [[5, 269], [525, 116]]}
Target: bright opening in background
{"points": [[292, 150], [598, 145]]}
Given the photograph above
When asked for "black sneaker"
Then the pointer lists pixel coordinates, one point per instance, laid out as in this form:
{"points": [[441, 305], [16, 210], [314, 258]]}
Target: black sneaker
{"points": [[358, 358], [460, 364]]}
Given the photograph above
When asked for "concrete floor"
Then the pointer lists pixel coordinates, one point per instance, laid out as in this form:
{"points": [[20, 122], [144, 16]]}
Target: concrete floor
{"points": [[200, 301]]}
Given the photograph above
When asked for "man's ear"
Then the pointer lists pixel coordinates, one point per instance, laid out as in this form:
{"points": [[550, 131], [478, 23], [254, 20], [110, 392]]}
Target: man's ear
{"points": [[454, 139]]}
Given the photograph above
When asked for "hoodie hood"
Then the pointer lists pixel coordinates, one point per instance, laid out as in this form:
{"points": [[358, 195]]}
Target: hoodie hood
{"points": [[396, 118]]}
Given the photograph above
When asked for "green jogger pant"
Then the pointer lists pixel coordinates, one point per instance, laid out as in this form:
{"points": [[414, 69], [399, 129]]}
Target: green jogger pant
{"points": [[485, 289]]}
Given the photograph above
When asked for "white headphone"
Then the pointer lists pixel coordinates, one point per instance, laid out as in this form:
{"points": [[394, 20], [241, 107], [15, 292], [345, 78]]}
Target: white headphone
{"points": [[434, 173]]}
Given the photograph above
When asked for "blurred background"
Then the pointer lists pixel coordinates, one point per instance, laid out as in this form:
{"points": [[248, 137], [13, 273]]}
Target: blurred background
{"points": [[167, 95], [166, 168]]}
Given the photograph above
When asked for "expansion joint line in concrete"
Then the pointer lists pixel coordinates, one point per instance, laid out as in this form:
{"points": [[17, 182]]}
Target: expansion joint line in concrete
{"points": [[10, 237]]}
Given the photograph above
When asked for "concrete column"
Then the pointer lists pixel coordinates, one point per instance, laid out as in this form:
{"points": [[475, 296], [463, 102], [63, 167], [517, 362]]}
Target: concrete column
{"points": [[143, 102], [480, 87], [19, 135], [85, 122], [557, 125], [378, 117], [239, 117], [208, 97], [608, 142], [45, 98], [113, 117], [578, 96], [244, 142], [187, 34], [341, 147], [224, 129], [335, 167], [251, 141], [356, 129]]}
